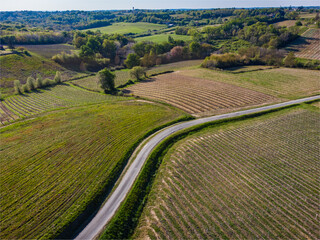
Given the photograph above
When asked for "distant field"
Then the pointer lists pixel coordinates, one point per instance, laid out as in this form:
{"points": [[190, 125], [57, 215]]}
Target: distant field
{"points": [[280, 82], [245, 181], [159, 38], [123, 76], [198, 96], [52, 166], [307, 15], [22, 66], [307, 46], [249, 68], [60, 96], [286, 23], [49, 50], [124, 28]]}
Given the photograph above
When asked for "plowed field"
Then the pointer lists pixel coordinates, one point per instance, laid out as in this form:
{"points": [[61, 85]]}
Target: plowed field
{"points": [[198, 96]]}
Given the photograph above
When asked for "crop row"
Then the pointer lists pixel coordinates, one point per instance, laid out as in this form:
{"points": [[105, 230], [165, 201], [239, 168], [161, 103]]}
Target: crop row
{"points": [[257, 181], [195, 95], [21, 106], [54, 166]]}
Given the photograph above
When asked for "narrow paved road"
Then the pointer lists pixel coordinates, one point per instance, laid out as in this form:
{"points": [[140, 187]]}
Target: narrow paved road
{"points": [[107, 211]]}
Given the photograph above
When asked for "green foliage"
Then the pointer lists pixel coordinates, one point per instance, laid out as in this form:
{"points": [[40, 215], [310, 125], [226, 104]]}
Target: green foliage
{"points": [[132, 60], [57, 78], [106, 80], [25, 88], [31, 83], [17, 87], [289, 60], [138, 72], [39, 82]]}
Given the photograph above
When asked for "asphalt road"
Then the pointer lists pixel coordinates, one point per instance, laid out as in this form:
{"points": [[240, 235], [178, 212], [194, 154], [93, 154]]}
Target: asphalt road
{"points": [[109, 208]]}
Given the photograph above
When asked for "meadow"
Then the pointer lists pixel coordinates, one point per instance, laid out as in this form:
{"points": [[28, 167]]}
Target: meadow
{"points": [[307, 46], [288, 83], [159, 38], [53, 166], [125, 28], [49, 50], [198, 96], [60, 96], [254, 179]]}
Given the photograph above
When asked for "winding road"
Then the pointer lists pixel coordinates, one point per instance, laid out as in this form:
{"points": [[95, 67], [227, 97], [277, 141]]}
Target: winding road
{"points": [[109, 208]]}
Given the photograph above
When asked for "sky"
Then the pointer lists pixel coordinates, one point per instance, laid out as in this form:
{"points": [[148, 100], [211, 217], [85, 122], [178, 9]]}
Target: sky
{"points": [[52, 5]]}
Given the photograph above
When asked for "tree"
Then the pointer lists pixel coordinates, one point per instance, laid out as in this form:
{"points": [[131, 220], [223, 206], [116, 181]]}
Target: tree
{"points": [[290, 60], [138, 73], [31, 83], [109, 49], [17, 87], [39, 82], [57, 78], [132, 60], [106, 79]]}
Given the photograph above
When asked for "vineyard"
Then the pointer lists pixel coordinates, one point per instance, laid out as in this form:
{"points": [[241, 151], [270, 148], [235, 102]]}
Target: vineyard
{"points": [[198, 96], [287, 83], [49, 50], [60, 96], [123, 76], [255, 180], [52, 166], [307, 46]]}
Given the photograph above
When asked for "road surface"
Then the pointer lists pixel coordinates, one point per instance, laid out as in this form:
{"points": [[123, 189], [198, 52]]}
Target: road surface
{"points": [[109, 208]]}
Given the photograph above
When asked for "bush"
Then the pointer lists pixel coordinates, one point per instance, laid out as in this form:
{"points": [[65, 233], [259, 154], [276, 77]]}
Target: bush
{"points": [[17, 87], [31, 83], [138, 72], [57, 78], [132, 60], [39, 82], [226, 60], [48, 82]]}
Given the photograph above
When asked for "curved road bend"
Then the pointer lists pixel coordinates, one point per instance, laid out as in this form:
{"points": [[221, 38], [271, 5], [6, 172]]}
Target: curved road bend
{"points": [[109, 208]]}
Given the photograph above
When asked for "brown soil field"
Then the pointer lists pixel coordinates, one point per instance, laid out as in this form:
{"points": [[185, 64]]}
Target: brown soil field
{"points": [[198, 96], [286, 23], [308, 45], [252, 180]]}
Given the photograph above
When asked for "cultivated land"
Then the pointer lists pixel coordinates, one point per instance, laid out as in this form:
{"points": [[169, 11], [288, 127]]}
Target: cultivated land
{"points": [[307, 46], [53, 166], [124, 28], [287, 83], [246, 180], [123, 76], [21, 66], [159, 38], [60, 96], [198, 96], [49, 50]]}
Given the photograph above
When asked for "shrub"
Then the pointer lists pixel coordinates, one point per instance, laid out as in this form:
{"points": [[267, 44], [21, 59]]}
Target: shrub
{"points": [[25, 88], [106, 79], [138, 73], [17, 87], [132, 60], [39, 82], [48, 82], [31, 83], [57, 77]]}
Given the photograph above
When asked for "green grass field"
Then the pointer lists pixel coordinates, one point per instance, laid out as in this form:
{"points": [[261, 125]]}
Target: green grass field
{"points": [[124, 28], [21, 66], [159, 38], [61, 96], [287, 83], [52, 166], [254, 179], [49, 50]]}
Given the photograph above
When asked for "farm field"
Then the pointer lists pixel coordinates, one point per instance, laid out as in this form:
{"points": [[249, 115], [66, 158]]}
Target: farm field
{"points": [[307, 46], [286, 23], [198, 96], [91, 83], [125, 28], [60, 96], [123, 76], [289, 83], [52, 166], [159, 38], [255, 179], [49, 50], [249, 68], [21, 66]]}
